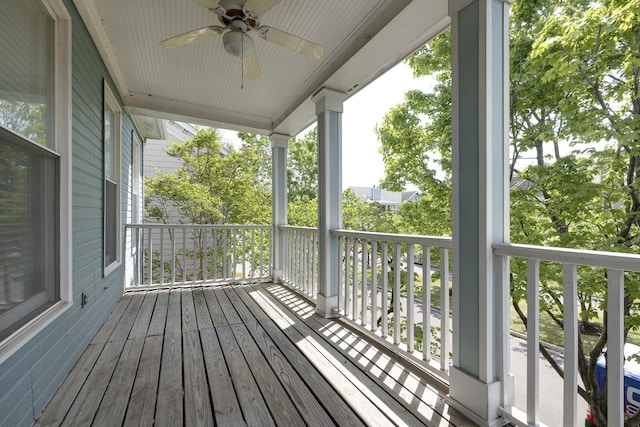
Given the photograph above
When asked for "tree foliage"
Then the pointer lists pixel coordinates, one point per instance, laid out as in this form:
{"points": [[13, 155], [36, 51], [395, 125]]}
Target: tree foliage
{"points": [[212, 188], [574, 145]]}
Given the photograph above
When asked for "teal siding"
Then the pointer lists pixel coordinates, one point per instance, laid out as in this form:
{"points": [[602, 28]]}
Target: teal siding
{"points": [[30, 377]]}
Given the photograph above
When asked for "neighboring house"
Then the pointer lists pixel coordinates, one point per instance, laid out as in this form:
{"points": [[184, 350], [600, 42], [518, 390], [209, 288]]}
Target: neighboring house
{"points": [[156, 159], [70, 178], [388, 200]]}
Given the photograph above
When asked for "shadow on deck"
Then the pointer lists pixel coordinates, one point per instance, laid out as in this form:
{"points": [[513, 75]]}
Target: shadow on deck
{"points": [[233, 355]]}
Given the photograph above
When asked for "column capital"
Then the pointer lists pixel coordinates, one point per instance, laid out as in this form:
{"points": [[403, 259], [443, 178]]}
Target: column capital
{"points": [[328, 100], [279, 140]]}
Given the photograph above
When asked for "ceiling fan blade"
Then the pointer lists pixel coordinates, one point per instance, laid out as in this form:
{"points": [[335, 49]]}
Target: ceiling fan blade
{"points": [[209, 4], [291, 42], [251, 65], [260, 7], [189, 37]]}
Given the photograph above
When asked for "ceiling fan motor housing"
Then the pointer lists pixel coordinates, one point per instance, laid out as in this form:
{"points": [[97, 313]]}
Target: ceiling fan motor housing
{"points": [[237, 43]]}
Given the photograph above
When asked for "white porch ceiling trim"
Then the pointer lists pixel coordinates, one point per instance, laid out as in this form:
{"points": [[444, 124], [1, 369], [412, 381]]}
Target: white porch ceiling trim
{"points": [[93, 21], [182, 111], [414, 26]]}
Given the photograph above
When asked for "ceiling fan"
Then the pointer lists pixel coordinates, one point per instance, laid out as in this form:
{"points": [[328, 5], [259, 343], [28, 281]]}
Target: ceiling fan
{"points": [[239, 18]]}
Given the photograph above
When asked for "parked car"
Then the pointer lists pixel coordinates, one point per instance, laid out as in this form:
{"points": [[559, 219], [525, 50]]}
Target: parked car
{"points": [[631, 381]]}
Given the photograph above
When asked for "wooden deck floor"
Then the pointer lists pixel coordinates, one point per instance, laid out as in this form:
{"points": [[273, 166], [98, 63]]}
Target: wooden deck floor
{"points": [[232, 356]]}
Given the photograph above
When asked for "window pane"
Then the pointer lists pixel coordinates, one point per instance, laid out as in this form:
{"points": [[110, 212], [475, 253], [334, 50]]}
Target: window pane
{"points": [[111, 223], [109, 143], [27, 232], [26, 69]]}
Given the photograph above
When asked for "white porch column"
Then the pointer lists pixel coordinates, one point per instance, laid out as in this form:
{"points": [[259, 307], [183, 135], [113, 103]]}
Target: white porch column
{"points": [[480, 63], [279, 145], [329, 111]]}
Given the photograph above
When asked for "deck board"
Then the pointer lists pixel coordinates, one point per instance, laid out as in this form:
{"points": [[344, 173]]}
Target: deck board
{"points": [[142, 403], [159, 316], [116, 399], [223, 396], [237, 355], [197, 406], [254, 408]]}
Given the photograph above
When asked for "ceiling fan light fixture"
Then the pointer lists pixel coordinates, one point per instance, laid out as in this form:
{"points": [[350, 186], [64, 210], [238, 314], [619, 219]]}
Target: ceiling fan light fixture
{"points": [[237, 43]]}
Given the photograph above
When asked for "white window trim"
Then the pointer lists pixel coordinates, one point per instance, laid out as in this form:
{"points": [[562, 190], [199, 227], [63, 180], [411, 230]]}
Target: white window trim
{"points": [[63, 145], [113, 104]]}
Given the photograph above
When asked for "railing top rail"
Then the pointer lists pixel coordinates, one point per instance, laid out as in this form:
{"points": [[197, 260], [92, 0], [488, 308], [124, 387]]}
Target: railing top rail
{"points": [[199, 226], [441, 242], [296, 228], [611, 260]]}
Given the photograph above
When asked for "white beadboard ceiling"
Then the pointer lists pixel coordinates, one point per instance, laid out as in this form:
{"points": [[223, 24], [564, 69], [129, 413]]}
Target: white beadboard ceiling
{"points": [[201, 83]]}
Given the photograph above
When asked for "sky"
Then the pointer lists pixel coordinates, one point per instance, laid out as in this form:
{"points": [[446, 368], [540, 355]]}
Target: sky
{"points": [[361, 159]]}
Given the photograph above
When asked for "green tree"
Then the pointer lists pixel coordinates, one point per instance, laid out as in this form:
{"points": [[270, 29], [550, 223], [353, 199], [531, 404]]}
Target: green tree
{"points": [[302, 167], [211, 188], [574, 132]]}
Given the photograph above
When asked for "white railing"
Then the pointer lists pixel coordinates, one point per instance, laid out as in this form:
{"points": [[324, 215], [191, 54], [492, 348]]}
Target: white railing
{"points": [[614, 265], [177, 254], [385, 289], [300, 266]]}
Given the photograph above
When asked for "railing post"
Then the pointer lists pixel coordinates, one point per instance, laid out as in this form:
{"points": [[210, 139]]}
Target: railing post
{"points": [[279, 145], [480, 76], [329, 104]]}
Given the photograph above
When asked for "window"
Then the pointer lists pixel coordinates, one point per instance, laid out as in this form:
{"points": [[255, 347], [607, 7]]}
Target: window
{"points": [[111, 147], [34, 168]]}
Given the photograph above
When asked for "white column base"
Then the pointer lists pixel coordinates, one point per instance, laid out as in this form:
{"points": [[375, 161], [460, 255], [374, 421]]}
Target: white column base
{"points": [[474, 399], [276, 276], [327, 307]]}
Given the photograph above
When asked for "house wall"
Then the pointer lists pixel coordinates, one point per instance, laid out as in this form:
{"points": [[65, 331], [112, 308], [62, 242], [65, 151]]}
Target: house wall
{"points": [[31, 375]]}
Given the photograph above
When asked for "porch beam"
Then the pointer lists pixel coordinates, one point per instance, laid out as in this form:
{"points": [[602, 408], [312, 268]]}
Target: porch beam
{"points": [[329, 106], [279, 146], [479, 32]]}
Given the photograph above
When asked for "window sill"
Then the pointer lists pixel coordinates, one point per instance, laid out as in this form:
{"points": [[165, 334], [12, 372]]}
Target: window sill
{"points": [[23, 335], [112, 267]]}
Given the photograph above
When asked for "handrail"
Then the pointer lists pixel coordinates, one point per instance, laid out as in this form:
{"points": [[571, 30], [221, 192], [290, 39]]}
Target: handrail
{"points": [[147, 226], [439, 241], [602, 259]]}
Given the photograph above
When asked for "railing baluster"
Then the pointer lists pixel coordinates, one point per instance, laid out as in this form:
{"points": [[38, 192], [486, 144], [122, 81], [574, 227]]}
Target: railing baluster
{"points": [[173, 255], [306, 264], [365, 290], [445, 341], [184, 255], [385, 289], [162, 255], [225, 253], [253, 253], [347, 255], [244, 253], [615, 347], [195, 255], [570, 295], [215, 254], [396, 294], [426, 303], [205, 254], [533, 342], [410, 304], [150, 257], [354, 281], [374, 285], [314, 276]]}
